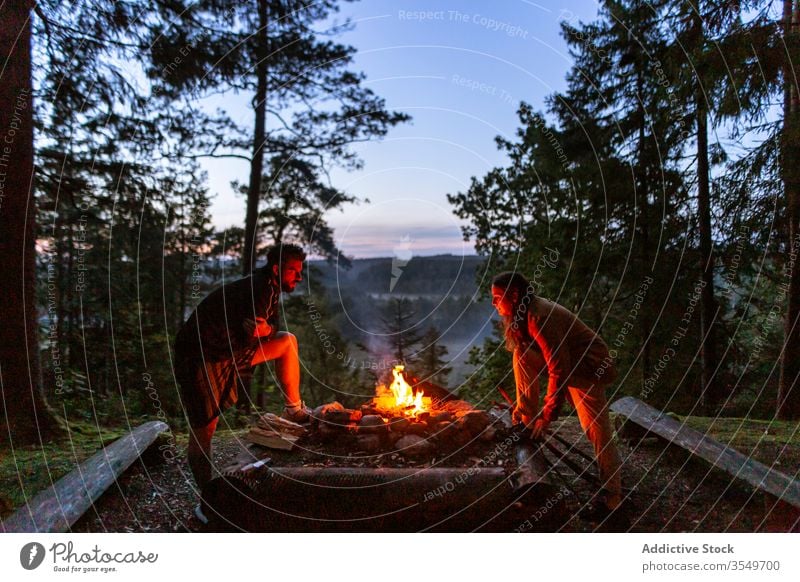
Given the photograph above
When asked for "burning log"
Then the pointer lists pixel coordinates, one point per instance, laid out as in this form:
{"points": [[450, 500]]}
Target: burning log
{"points": [[497, 496], [400, 397], [438, 394]]}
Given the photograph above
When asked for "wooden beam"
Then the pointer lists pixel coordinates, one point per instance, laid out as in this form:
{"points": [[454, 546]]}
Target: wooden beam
{"points": [[726, 458], [58, 507]]}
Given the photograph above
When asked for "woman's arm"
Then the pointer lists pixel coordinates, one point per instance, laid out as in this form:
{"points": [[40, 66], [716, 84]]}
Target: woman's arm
{"points": [[551, 336], [526, 378]]}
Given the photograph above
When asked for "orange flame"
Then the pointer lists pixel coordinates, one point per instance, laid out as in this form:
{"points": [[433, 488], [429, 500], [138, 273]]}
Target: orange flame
{"points": [[400, 397]]}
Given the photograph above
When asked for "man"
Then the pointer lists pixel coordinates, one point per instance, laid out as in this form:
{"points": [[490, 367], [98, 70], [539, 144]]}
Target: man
{"points": [[233, 329], [545, 336]]}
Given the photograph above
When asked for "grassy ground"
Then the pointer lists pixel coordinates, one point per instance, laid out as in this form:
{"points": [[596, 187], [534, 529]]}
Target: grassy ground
{"points": [[770, 442]]}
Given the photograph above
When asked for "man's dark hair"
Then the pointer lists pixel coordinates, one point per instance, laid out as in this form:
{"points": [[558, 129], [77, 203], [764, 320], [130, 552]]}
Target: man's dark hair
{"points": [[282, 252], [515, 326]]}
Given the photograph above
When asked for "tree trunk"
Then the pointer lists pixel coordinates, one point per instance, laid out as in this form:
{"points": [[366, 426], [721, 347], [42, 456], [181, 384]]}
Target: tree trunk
{"points": [[259, 137], [710, 395], [788, 407], [641, 183], [24, 414], [256, 171], [183, 255], [70, 317]]}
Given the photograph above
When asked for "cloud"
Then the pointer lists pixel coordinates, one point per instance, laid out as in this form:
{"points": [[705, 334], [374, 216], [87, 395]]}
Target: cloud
{"points": [[382, 240]]}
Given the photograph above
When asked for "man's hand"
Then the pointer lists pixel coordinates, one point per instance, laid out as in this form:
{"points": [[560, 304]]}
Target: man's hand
{"points": [[257, 328], [539, 429]]}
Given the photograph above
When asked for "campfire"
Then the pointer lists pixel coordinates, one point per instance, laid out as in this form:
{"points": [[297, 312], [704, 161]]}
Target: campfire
{"points": [[399, 398]]}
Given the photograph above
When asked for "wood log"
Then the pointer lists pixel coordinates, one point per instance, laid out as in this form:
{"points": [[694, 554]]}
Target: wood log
{"points": [[726, 458], [456, 407], [271, 439], [340, 418], [280, 425], [630, 432], [58, 507]]}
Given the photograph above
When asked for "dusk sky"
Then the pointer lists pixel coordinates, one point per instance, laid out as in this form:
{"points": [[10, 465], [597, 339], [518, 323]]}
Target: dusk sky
{"points": [[460, 69]]}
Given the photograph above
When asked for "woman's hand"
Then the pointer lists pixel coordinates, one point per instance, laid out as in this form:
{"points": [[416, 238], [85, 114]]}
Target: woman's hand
{"points": [[519, 417], [257, 328]]}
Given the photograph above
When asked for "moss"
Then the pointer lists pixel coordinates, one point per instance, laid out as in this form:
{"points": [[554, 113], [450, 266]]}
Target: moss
{"points": [[24, 471], [768, 441]]}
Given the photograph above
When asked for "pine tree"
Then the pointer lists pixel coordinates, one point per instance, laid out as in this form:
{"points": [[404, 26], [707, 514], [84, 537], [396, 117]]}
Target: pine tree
{"points": [[431, 364], [108, 184], [399, 321], [764, 51], [593, 206], [700, 71], [270, 49]]}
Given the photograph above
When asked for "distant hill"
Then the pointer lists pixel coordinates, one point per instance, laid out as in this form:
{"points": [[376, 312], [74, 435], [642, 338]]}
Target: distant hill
{"points": [[437, 275]]}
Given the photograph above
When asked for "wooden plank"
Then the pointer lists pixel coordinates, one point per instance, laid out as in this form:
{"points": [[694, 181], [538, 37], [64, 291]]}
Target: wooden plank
{"points": [[726, 458], [58, 507]]}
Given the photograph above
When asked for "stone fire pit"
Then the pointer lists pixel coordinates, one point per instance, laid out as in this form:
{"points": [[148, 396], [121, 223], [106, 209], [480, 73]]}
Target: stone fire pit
{"points": [[443, 467]]}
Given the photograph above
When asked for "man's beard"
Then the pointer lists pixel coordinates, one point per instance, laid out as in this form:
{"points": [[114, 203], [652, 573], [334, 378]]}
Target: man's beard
{"points": [[286, 288]]}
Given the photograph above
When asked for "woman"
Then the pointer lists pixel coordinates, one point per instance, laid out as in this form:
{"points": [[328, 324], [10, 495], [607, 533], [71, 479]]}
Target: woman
{"points": [[543, 335]]}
